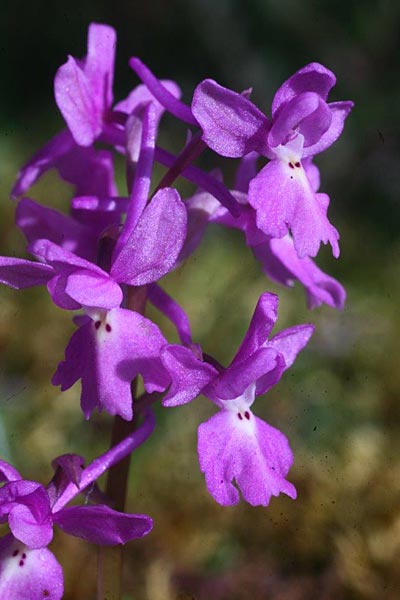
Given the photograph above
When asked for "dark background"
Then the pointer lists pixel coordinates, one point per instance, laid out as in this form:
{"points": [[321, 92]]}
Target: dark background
{"points": [[339, 405]]}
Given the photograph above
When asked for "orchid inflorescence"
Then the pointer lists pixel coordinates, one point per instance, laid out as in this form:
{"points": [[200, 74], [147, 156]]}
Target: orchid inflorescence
{"points": [[106, 257]]}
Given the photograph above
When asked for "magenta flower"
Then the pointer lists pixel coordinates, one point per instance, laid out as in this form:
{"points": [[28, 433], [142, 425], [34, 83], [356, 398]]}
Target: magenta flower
{"points": [[302, 125], [107, 352], [28, 570], [112, 344], [83, 89], [83, 92], [234, 445], [278, 257]]}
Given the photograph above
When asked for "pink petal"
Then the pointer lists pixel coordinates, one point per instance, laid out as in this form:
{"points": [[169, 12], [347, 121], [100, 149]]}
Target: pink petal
{"points": [[154, 245], [188, 373], [283, 199], [74, 97], [247, 451], [102, 525], [314, 77], [19, 273], [263, 320], [232, 125], [99, 62], [27, 574], [290, 342], [107, 355], [339, 113]]}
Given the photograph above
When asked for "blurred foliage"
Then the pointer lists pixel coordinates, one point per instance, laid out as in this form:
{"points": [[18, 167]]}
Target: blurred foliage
{"points": [[339, 404]]}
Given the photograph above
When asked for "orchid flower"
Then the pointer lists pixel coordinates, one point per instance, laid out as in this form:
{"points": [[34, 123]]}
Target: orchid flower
{"points": [[235, 446], [28, 569]]}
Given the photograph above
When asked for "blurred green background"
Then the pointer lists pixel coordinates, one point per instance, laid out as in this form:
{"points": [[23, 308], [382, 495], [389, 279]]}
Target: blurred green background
{"points": [[339, 404]]}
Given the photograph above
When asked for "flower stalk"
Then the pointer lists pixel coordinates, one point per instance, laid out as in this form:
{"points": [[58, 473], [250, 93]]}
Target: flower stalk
{"points": [[110, 558]]}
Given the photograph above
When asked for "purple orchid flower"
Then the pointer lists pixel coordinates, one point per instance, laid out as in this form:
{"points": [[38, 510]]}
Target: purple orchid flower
{"points": [[107, 352], [83, 92], [83, 88], [28, 570], [235, 445], [278, 257], [302, 125], [112, 344]]}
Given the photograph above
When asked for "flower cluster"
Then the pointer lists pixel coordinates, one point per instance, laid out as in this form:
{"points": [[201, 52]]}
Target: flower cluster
{"points": [[105, 259]]}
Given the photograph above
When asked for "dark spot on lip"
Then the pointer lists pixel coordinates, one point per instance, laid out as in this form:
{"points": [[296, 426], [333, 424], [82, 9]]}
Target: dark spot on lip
{"points": [[291, 165], [240, 417], [247, 415], [298, 165], [108, 327], [15, 552], [21, 563], [46, 593], [24, 555], [97, 324]]}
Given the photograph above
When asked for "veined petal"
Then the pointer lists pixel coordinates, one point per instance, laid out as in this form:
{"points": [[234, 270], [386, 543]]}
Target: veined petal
{"points": [[232, 125], [263, 320], [339, 112], [19, 273], [189, 374], [102, 525], [7, 472], [282, 196], [75, 99], [27, 527], [27, 574], [153, 247], [107, 354], [240, 448], [91, 289], [27, 506], [264, 368], [290, 341], [99, 62], [56, 289], [291, 115], [314, 77], [62, 259]]}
